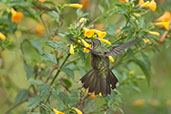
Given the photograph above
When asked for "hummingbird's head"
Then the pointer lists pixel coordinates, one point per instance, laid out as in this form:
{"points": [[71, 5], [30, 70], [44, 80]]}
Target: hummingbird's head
{"points": [[95, 43]]}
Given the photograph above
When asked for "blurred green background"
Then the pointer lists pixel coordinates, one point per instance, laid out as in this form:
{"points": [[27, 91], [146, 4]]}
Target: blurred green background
{"points": [[152, 99]]}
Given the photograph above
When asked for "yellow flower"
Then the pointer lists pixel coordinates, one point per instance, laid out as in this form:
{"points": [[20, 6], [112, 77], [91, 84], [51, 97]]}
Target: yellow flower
{"points": [[152, 5], [123, 1], [100, 94], [55, 38], [16, 16], [106, 41], [82, 20], [168, 102], [139, 102], [154, 33], [85, 43], [40, 30], [147, 41], [75, 5], [144, 4], [131, 73], [92, 96], [165, 17], [111, 59], [88, 33], [71, 50], [57, 112], [42, 0], [2, 36], [79, 41], [77, 110], [141, 2], [164, 24], [153, 102], [100, 34]]}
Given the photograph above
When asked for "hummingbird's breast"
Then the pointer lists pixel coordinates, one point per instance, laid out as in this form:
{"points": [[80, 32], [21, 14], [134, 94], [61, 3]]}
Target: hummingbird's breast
{"points": [[99, 62]]}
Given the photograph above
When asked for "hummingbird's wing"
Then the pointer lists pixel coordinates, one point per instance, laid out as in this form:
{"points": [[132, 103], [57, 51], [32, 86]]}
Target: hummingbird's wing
{"points": [[117, 49]]}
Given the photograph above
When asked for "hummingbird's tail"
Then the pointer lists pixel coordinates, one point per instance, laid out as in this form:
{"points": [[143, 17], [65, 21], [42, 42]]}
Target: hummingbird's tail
{"points": [[95, 82]]}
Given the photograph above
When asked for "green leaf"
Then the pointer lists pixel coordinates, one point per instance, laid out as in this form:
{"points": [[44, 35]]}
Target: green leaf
{"points": [[49, 57], [67, 83], [101, 8], [22, 95], [69, 72], [35, 82], [33, 102], [29, 71], [56, 45], [144, 68], [44, 90]]}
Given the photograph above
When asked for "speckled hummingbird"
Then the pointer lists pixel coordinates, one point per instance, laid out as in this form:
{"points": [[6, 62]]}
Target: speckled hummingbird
{"points": [[100, 79]]}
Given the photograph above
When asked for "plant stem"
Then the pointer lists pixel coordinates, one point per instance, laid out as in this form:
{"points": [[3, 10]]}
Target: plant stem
{"points": [[56, 75]]}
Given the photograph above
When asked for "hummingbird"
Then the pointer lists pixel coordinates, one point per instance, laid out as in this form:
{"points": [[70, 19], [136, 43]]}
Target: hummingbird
{"points": [[100, 79]]}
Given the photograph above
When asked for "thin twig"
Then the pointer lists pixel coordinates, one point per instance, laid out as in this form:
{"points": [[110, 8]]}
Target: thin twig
{"points": [[57, 73]]}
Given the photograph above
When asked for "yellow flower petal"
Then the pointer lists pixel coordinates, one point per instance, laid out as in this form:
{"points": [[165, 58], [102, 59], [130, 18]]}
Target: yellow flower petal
{"points": [[152, 5], [131, 73], [83, 20], [106, 41], [165, 17], [85, 43], [100, 94], [123, 1], [55, 38], [57, 112], [139, 102], [100, 34], [144, 4], [42, 0], [147, 41], [88, 32], [164, 24], [16, 16], [111, 59], [71, 49], [75, 5], [79, 41], [92, 96], [154, 33], [2, 36], [77, 110], [141, 2]]}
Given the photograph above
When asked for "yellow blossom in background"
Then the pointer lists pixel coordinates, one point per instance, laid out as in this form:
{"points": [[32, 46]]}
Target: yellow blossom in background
{"points": [[106, 41], [168, 102], [75, 5], [139, 102], [71, 49], [40, 30], [55, 38], [141, 2], [152, 5], [144, 4], [85, 3], [165, 17], [147, 41], [85, 43], [42, 0], [100, 26], [77, 110], [154, 33], [153, 102], [100, 94], [88, 33], [131, 73], [92, 96], [2, 36], [111, 59], [164, 24], [57, 112], [16, 16], [123, 1]]}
